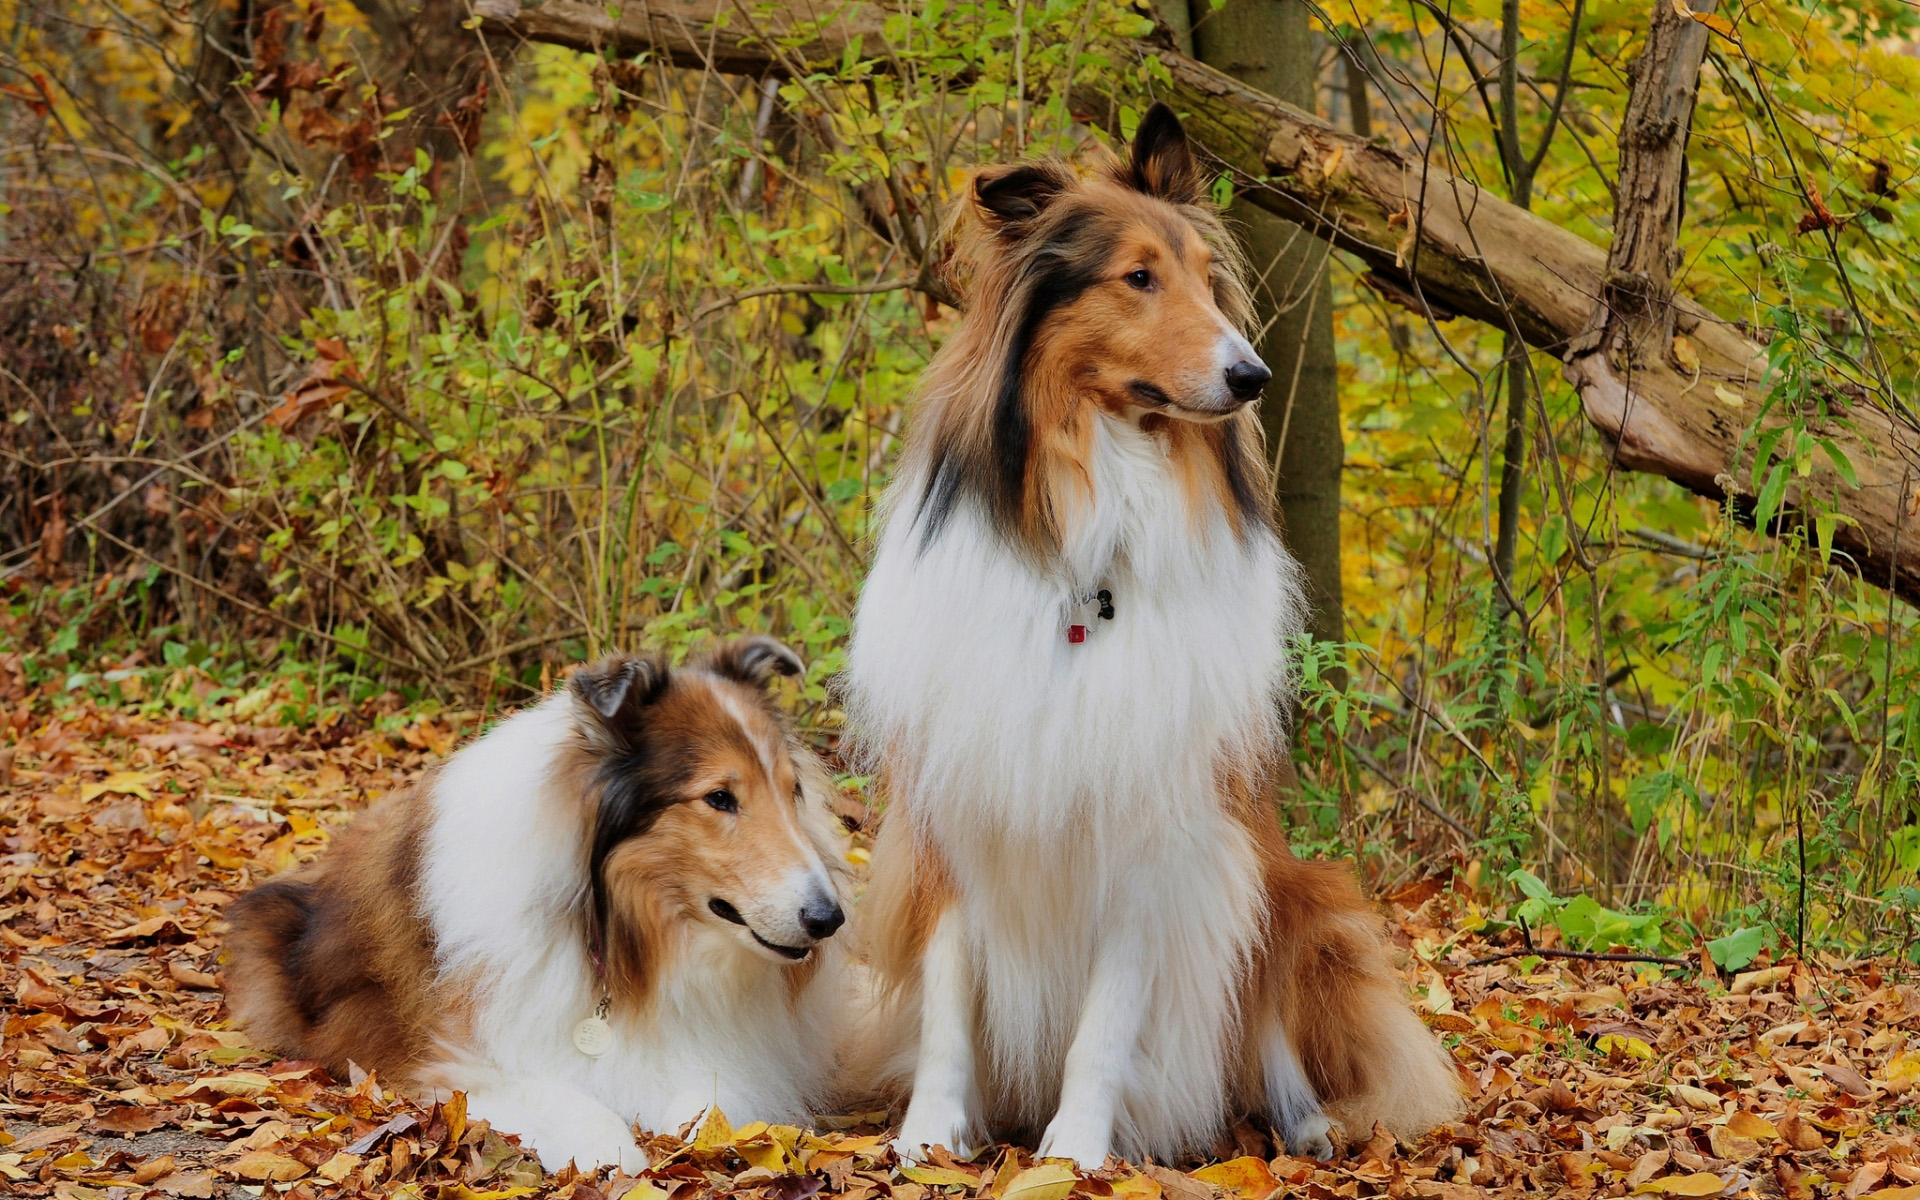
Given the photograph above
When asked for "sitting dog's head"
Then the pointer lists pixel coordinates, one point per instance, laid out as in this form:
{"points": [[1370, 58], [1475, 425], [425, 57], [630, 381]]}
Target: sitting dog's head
{"points": [[710, 813]]}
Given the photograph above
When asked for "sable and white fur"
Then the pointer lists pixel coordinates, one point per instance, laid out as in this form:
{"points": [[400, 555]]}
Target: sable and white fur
{"points": [[664, 821], [1084, 912]]}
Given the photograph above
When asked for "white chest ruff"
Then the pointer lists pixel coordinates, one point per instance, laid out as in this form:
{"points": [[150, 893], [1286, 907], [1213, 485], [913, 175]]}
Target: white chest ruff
{"points": [[966, 685]]}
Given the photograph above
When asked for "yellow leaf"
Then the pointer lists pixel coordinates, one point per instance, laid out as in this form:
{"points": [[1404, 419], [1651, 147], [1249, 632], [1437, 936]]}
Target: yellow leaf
{"points": [[1911, 1192], [1618, 1043], [337, 1168], [240, 1083], [1703, 1183], [1246, 1177], [1686, 356], [1048, 1181], [265, 1165], [762, 1146], [1137, 1187], [511, 1193], [1761, 980], [1745, 1124], [455, 1112], [1729, 398], [938, 1176], [1903, 1070], [220, 856], [1717, 23], [123, 783], [715, 1132]]}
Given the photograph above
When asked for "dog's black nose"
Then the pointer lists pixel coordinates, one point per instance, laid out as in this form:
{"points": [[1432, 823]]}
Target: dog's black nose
{"points": [[1246, 377], [820, 918]]}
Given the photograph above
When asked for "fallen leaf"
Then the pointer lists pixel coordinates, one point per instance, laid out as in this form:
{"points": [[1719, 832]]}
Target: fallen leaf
{"points": [[1866, 1179], [186, 976], [1902, 1071], [1047, 1181], [1626, 1046], [1800, 1134], [373, 1137], [1247, 1177], [129, 1120], [716, 1133], [122, 783], [1702, 1183], [154, 1168], [1685, 356], [267, 1165], [1647, 1166], [151, 927], [1761, 980], [1138, 1186], [936, 1176], [338, 1167]]}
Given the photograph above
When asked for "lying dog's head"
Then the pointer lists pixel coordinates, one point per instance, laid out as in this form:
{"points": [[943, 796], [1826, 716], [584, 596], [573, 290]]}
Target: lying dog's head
{"points": [[710, 814]]}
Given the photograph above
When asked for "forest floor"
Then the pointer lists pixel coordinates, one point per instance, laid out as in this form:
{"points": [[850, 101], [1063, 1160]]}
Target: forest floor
{"points": [[125, 838]]}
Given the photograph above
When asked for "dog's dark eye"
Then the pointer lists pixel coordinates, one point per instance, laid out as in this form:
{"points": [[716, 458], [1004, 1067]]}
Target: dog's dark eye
{"points": [[1140, 279], [723, 800]]}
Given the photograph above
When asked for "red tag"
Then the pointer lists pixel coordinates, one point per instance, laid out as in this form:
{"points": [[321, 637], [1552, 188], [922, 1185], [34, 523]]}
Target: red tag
{"points": [[1076, 634]]}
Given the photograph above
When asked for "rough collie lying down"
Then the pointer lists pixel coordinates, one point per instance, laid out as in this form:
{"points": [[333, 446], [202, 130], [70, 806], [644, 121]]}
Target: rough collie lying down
{"points": [[609, 909], [1070, 664]]}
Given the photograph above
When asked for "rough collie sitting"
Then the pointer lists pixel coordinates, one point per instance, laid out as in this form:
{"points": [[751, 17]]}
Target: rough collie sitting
{"points": [[1070, 665], [609, 909]]}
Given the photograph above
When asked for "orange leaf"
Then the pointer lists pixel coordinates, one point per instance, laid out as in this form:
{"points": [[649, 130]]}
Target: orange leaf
{"points": [[1246, 1177]]}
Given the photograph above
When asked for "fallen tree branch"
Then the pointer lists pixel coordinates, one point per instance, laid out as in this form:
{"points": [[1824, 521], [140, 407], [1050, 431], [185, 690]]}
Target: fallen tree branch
{"points": [[1424, 235]]}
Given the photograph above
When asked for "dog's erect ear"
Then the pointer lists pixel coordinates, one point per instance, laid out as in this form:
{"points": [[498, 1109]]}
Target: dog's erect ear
{"points": [[611, 693], [1010, 196], [1163, 162], [751, 660]]}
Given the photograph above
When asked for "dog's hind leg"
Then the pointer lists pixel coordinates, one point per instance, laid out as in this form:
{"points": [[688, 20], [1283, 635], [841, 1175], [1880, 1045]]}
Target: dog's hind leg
{"points": [[945, 1104], [1291, 1104]]}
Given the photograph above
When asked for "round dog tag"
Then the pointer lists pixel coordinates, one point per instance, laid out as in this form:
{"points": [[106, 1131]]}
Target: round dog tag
{"points": [[593, 1037]]}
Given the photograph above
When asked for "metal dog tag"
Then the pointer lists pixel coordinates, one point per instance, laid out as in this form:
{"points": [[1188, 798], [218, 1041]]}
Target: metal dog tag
{"points": [[593, 1037]]}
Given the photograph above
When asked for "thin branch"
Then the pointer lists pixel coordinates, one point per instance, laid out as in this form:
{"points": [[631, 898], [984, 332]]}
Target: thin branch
{"points": [[806, 289]]}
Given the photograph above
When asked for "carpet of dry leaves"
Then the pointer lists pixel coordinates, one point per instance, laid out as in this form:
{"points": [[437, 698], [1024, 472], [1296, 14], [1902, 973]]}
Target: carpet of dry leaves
{"points": [[125, 838]]}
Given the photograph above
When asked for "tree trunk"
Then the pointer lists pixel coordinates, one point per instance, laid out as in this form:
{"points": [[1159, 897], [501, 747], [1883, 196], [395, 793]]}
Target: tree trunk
{"points": [[1268, 44], [1434, 241]]}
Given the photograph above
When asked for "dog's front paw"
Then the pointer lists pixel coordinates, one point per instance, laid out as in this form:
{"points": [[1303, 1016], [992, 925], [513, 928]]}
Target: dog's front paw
{"points": [[1310, 1136], [1074, 1136], [559, 1125], [600, 1144], [932, 1124]]}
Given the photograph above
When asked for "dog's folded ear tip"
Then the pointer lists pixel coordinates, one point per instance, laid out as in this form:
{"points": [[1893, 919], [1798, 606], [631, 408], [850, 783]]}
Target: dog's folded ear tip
{"points": [[616, 682], [755, 657]]}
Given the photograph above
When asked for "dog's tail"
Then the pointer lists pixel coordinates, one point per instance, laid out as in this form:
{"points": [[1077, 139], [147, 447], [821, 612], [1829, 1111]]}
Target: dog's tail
{"points": [[1368, 1057], [266, 931]]}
